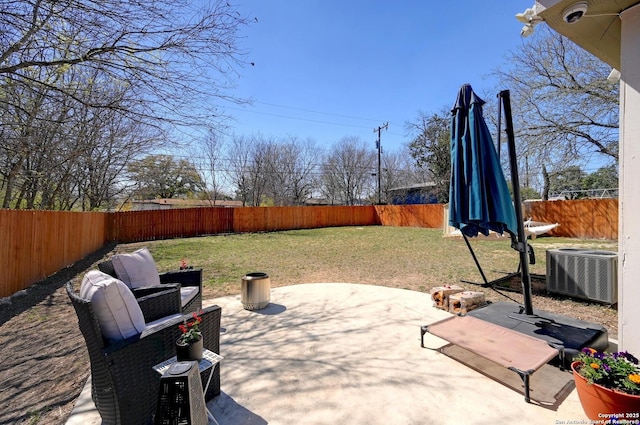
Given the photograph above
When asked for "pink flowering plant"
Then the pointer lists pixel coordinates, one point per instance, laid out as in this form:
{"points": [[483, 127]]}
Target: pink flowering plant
{"points": [[191, 329], [616, 371], [184, 265]]}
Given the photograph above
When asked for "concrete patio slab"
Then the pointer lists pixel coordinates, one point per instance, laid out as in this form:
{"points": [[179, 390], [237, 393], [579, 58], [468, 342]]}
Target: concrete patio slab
{"points": [[350, 354]]}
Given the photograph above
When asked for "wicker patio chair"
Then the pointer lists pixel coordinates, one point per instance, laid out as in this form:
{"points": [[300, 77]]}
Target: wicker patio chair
{"points": [[158, 301], [124, 385], [189, 277]]}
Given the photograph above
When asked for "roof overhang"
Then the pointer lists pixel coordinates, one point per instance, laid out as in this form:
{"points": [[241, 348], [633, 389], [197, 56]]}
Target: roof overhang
{"points": [[598, 31]]}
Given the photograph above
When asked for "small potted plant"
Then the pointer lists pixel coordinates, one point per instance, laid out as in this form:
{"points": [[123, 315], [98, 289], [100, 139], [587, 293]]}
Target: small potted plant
{"points": [[184, 265], [189, 345], [607, 383]]}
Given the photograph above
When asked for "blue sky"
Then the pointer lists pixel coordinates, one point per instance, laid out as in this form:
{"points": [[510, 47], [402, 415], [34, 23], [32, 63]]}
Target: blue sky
{"points": [[326, 69]]}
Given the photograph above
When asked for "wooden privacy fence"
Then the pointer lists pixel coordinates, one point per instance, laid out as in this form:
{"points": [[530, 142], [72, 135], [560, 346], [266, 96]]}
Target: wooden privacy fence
{"points": [[136, 226], [585, 218], [430, 216], [162, 224], [139, 226], [269, 219], [36, 244]]}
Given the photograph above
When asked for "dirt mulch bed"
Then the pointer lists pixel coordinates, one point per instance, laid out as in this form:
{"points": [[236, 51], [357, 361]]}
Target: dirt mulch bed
{"points": [[43, 359]]}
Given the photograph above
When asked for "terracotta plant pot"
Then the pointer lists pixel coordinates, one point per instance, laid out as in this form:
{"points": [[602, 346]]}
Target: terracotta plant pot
{"points": [[191, 351], [600, 403]]}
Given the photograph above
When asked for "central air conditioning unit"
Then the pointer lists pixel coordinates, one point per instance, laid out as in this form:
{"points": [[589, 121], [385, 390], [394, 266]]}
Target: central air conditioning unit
{"points": [[583, 273]]}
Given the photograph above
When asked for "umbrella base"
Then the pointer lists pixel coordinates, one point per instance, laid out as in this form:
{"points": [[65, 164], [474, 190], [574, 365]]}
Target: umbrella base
{"points": [[552, 328]]}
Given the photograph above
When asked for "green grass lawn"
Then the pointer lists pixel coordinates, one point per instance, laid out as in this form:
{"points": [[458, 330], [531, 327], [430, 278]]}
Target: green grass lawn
{"points": [[402, 257]]}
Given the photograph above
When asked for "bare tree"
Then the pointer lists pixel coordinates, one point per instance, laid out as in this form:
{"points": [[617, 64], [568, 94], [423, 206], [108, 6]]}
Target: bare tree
{"points": [[210, 150], [347, 171], [565, 111], [289, 170], [39, 153], [240, 161], [176, 54], [115, 143], [258, 169], [397, 172], [56, 152], [20, 124], [271, 158], [302, 167], [77, 76]]}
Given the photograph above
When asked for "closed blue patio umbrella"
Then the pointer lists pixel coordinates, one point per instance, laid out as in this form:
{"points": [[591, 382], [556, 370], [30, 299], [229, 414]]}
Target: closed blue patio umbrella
{"points": [[479, 199]]}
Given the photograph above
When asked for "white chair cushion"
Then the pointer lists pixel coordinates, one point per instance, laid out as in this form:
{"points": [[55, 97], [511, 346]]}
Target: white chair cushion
{"points": [[136, 269], [187, 293], [114, 304]]}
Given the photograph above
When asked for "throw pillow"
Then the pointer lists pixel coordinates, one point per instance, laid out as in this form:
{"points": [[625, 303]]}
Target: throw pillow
{"points": [[136, 269], [114, 304]]}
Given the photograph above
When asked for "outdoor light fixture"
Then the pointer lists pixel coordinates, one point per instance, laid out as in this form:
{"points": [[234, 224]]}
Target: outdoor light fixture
{"points": [[530, 19], [575, 12], [526, 30]]}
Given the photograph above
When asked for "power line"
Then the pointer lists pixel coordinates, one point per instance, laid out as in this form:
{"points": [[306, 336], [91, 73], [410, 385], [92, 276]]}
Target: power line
{"points": [[319, 112], [295, 108], [297, 118]]}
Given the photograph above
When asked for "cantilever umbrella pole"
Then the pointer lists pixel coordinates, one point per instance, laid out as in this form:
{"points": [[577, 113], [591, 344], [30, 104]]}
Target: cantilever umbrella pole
{"points": [[521, 243]]}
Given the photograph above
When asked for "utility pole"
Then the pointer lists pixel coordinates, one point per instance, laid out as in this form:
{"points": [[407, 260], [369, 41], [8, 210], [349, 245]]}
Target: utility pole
{"points": [[379, 146]]}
